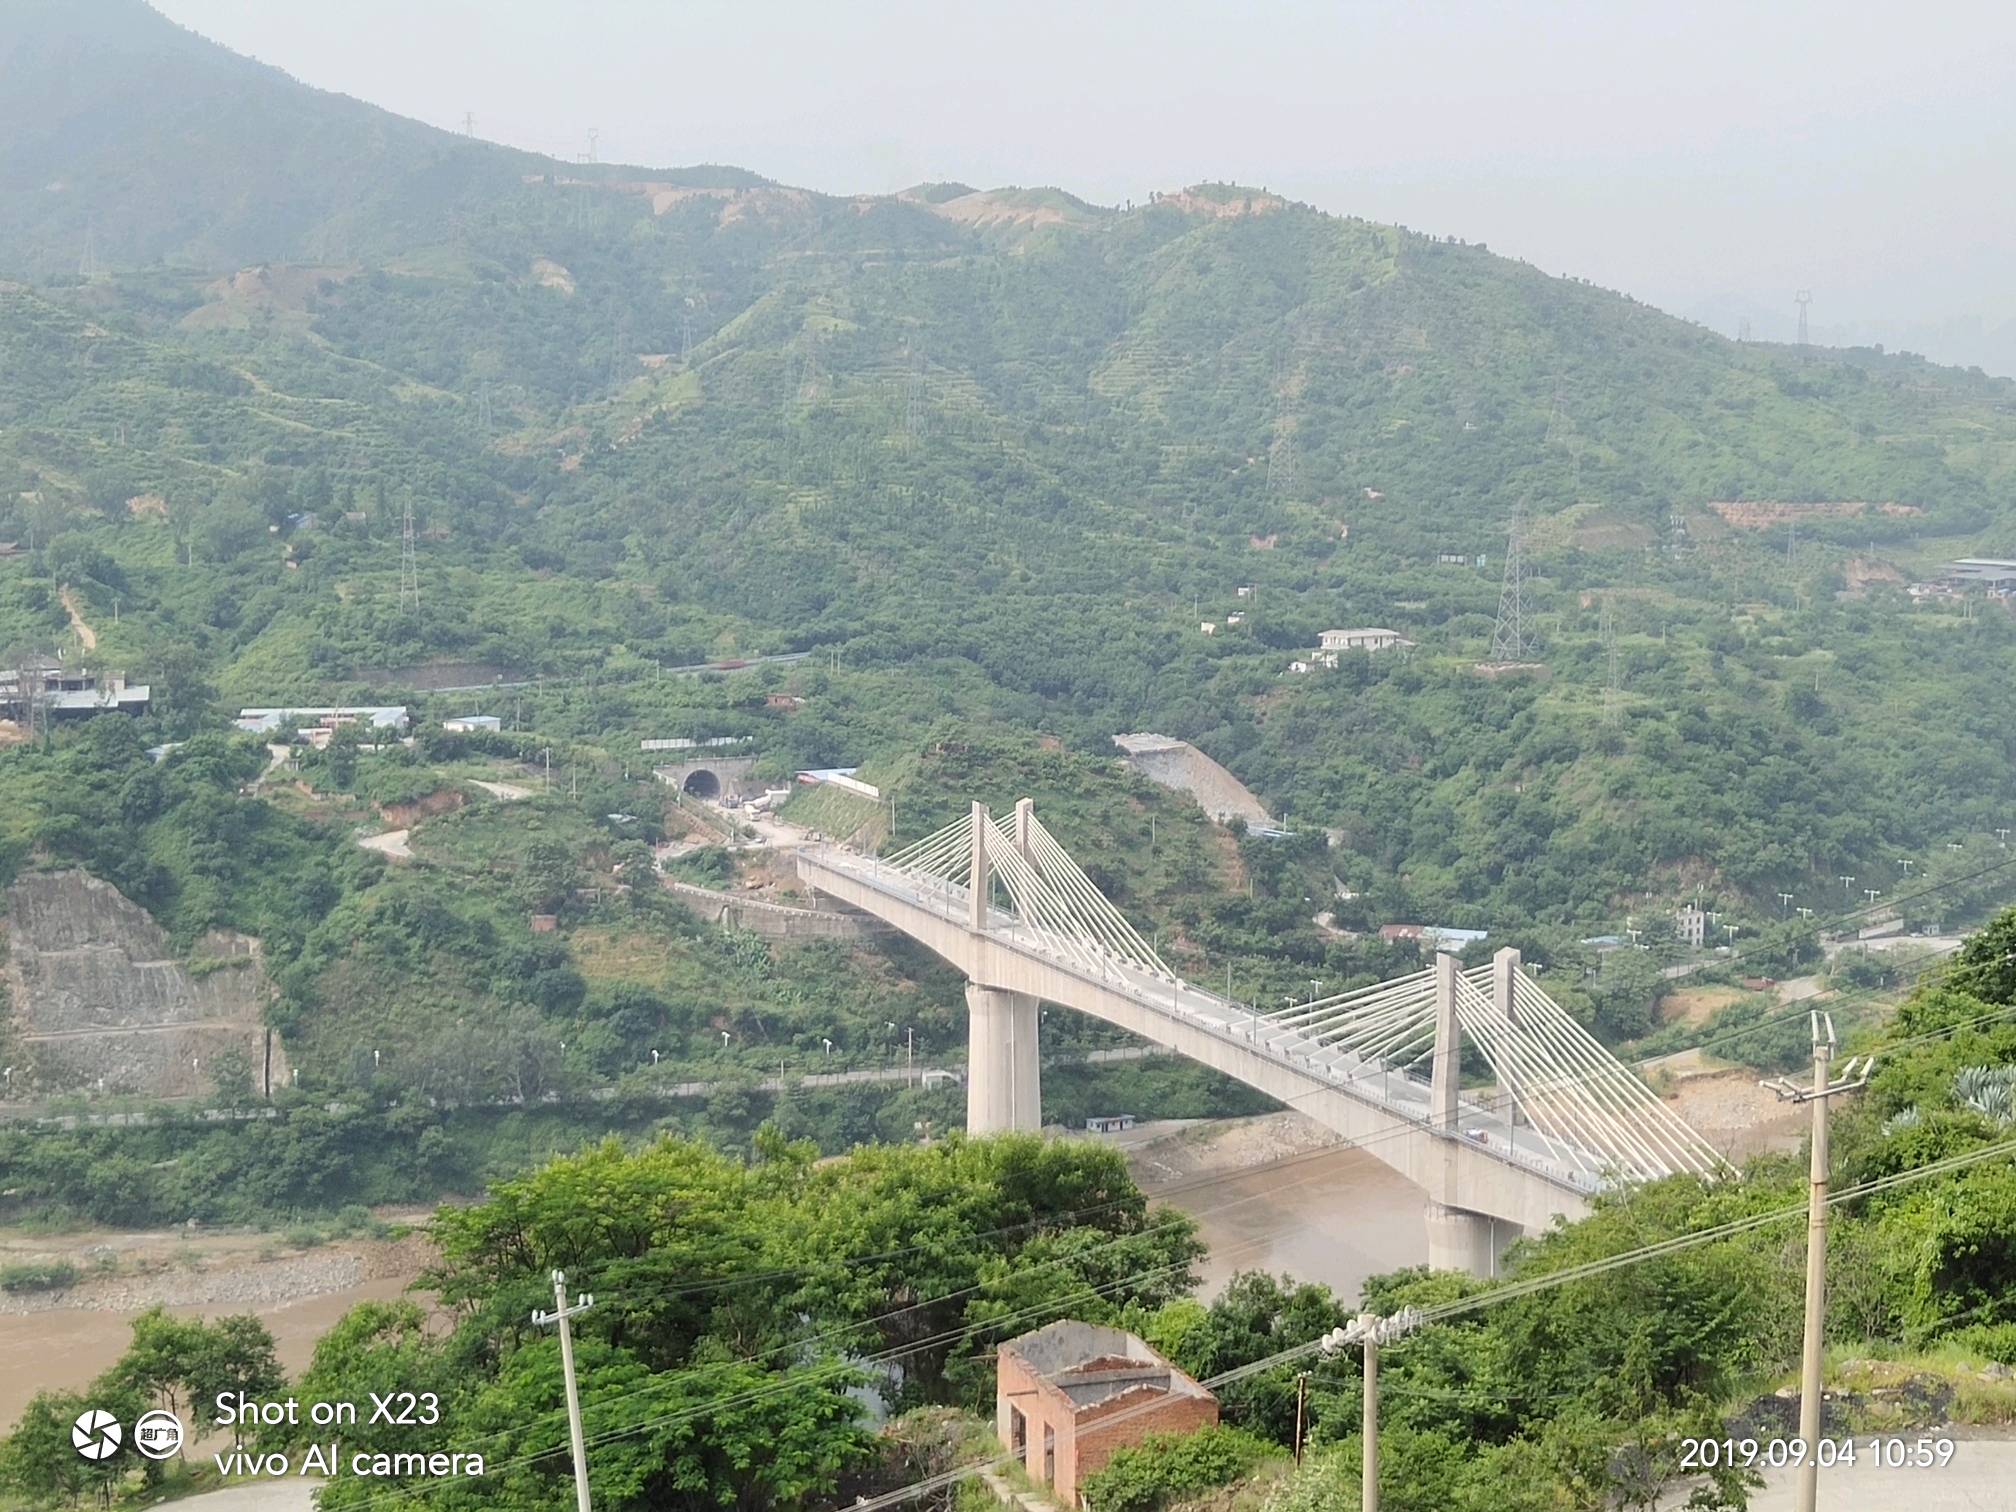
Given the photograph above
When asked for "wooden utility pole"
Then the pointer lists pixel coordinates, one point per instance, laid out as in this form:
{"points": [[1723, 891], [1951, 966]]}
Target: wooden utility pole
{"points": [[560, 1314], [1814, 1342], [1301, 1410]]}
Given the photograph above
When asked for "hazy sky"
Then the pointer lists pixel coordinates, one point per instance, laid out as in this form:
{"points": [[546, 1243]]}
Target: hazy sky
{"points": [[1710, 158]]}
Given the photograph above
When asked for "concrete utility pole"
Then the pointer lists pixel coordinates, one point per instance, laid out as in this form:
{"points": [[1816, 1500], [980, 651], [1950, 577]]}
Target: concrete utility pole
{"points": [[561, 1313], [1370, 1330], [1816, 1238]]}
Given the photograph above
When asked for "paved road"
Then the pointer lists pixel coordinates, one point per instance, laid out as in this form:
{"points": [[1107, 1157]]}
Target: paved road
{"points": [[282, 1494], [1980, 1478]]}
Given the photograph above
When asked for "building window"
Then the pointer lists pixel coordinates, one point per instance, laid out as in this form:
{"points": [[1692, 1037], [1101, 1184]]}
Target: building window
{"points": [[1049, 1455], [1018, 1434]]}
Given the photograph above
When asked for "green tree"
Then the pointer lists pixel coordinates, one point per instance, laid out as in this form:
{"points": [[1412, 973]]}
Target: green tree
{"points": [[236, 1354], [342, 755]]}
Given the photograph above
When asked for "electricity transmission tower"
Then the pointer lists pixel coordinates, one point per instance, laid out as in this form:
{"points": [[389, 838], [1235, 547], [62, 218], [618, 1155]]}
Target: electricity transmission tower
{"points": [[409, 564], [913, 408], [1510, 642], [1802, 299], [1612, 688]]}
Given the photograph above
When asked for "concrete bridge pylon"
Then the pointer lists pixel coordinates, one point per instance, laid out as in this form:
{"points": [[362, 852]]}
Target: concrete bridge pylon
{"points": [[1003, 1073]]}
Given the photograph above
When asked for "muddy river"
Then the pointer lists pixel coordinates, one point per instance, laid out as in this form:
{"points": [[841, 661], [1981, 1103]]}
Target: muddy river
{"points": [[1334, 1217], [1329, 1216], [67, 1348]]}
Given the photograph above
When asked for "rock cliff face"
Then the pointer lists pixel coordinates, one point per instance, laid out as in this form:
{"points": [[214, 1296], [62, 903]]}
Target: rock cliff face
{"points": [[97, 996]]}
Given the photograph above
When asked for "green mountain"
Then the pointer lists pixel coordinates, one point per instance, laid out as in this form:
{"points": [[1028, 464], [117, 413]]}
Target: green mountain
{"points": [[127, 140], [994, 455]]}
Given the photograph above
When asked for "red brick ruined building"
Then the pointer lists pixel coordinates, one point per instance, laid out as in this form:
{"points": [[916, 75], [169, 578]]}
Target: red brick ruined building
{"points": [[1067, 1396]]}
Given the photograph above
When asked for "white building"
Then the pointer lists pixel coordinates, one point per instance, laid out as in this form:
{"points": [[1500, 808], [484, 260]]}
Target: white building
{"points": [[469, 724], [379, 719], [1363, 640], [1993, 573]]}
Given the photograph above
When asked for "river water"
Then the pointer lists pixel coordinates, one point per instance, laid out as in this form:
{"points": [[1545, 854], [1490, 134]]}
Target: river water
{"points": [[67, 1348], [1336, 1216]]}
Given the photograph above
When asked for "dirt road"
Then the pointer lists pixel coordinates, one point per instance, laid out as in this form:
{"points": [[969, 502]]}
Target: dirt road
{"points": [[86, 636]]}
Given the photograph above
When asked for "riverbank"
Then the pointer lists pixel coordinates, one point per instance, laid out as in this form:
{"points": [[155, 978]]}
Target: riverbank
{"points": [[65, 1338]]}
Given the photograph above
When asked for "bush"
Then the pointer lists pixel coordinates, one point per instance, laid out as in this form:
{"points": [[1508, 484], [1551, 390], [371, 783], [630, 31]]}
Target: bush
{"points": [[1992, 1341], [1165, 1467], [50, 1275]]}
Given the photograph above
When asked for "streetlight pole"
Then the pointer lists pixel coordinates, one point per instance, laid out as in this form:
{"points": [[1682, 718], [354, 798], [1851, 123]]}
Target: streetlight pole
{"points": [[1822, 1090]]}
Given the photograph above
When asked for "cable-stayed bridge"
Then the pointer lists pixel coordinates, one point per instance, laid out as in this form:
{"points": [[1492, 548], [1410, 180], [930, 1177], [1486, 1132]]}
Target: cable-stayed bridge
{"points": [[1002, 900]]}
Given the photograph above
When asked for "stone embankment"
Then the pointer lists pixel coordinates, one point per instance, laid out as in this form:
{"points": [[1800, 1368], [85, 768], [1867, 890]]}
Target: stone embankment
{"points": [[1180, 765], [227, 1278]]}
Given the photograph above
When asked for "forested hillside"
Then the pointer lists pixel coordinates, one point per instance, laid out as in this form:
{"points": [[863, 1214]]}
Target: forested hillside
{"points": [[994, 456]]}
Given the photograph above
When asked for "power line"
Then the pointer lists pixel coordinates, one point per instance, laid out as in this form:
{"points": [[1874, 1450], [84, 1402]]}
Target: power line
{"points": [[1482, 1300], [1399, 1129], [912, 1346], [792, 1382], [1507, 1292]]}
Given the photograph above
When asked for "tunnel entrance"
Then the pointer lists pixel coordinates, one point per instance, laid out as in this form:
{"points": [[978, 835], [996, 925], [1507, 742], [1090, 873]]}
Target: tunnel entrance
{"points": [[702, 784]]}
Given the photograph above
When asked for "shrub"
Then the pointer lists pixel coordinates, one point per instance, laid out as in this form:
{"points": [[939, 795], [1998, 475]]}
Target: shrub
{"points": [[1165, 1467], [1992, 1341], [47, 1275]]}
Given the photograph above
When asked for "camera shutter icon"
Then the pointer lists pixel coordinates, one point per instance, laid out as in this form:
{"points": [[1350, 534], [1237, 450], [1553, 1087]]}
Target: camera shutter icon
{"points": [[96, 1434]]}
